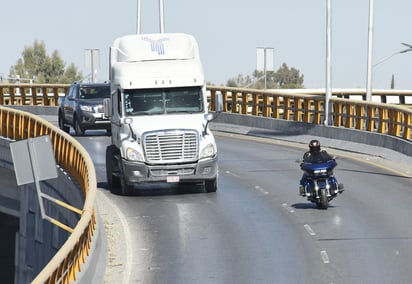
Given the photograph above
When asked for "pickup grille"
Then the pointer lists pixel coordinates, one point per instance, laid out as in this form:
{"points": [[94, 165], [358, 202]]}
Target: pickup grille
{"points": [[174, 146]]}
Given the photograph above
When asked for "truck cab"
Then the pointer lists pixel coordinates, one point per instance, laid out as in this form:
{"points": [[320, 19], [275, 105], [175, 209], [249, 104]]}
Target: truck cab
{"points": [[159, 115]]}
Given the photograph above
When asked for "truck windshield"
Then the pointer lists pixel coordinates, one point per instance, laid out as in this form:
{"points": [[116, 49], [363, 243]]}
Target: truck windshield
{"points": [[163, 101]]}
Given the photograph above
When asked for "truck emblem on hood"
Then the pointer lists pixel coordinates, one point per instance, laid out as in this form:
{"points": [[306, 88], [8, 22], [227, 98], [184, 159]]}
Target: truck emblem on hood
{"points": [[156, 45]]}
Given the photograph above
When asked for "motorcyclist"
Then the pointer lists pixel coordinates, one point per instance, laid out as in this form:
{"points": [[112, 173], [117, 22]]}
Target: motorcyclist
{"points": [[314, 155]]}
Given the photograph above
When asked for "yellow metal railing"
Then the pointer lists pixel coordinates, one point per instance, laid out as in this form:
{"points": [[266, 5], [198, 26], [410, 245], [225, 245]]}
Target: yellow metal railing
{"points": [[390, 119], [31, 94], [72, 157]]}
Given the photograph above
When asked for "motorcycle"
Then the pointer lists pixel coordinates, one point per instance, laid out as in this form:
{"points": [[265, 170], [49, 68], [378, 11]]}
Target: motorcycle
{"points": [[320, 186]]}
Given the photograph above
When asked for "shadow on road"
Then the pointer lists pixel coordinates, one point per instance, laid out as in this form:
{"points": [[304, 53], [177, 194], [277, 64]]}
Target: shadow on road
{"points": [[160, 189], [308, 205]]}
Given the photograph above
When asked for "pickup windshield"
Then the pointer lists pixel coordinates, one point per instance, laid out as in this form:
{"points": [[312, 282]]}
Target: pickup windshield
{"points": [[163, 101], [94, 92]]}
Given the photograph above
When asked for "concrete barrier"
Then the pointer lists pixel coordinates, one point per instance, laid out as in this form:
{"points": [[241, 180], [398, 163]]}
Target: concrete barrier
{"points": [[301, 132]]}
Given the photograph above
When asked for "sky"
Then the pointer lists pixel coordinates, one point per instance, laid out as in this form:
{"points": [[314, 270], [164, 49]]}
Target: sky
{"points": [[228, 33]]}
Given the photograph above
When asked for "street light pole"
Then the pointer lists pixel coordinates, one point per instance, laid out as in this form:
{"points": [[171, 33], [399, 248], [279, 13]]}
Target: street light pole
{"points": [[161, 16], [138, 17], [395, 53], [328, 89], [370, 49]]}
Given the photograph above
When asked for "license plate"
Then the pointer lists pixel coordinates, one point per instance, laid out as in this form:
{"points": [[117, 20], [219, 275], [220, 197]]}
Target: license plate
{"points": [[172, 179]]}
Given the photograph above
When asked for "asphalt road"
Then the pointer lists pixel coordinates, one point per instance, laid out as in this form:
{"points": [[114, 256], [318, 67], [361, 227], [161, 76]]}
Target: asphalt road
{"points": [[256, 229]]}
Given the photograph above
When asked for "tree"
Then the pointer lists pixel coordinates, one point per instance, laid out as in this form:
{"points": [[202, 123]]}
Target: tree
{"points": [[240, 81], [288, 78], [35, 63], [283, 78]]}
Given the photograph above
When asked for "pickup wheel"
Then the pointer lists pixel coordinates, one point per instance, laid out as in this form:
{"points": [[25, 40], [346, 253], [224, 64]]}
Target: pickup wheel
{"points": [[211, 185], [62, 126], [77, 128]]}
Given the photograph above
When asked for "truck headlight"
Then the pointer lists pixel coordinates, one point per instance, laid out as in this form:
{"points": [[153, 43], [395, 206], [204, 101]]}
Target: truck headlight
{"points": [[133, 155], [208, 151]]}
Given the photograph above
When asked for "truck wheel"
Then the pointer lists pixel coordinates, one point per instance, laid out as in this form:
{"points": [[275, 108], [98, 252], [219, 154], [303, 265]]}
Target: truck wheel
{"points": [[211, 185], [112, 179], [125, 189], [61, 124], [79, 131]]}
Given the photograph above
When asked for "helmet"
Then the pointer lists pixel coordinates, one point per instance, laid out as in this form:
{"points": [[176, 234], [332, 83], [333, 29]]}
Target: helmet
{"points": [[314, 146]]}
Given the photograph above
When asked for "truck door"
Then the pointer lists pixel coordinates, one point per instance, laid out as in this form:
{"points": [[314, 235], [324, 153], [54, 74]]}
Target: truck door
{"points": [[116, 116]]}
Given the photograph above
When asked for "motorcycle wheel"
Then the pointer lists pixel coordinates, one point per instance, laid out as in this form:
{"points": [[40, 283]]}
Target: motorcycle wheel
{"points": [[323, 202]]}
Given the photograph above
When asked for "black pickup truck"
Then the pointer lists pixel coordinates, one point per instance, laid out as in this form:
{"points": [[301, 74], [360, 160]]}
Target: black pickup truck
{"points": [[82, 108]]}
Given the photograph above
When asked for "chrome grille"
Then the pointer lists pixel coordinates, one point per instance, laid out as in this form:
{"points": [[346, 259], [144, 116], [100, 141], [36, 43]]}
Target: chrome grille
{"points": [[98, 109], [171, 146]]}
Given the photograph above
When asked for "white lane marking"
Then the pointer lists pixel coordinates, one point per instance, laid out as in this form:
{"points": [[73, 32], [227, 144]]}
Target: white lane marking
{"points": [[262, 190], [230, 173], [285, 205], [309, 230], [324, 256], [127, 274]]}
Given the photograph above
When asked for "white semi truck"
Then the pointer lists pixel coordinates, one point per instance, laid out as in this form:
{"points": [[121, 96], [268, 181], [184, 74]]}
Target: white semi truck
{"points": [[159, 113]]}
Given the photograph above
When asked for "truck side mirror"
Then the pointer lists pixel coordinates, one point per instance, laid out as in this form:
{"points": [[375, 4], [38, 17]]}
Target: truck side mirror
{"points": [[208, 117], [107, 107], [218, 102]]}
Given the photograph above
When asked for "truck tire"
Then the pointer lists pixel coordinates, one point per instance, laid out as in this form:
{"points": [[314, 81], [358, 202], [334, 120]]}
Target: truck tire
{"points": [[211, 185], [125, 189], [112, 178]]}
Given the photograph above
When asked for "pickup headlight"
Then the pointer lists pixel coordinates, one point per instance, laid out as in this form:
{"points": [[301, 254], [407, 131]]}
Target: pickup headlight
{"points": [[86, 108], [133, 155], [208, 151]]}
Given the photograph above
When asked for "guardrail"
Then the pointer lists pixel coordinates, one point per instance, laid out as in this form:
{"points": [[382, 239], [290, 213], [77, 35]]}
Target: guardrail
{"points": [[49, 94], [308, 106], [72, 157], [32, 94]]}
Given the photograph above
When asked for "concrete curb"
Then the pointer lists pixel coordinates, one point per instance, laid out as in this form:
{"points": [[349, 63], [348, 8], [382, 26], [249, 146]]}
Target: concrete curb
{"points": [[93, 270]]}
